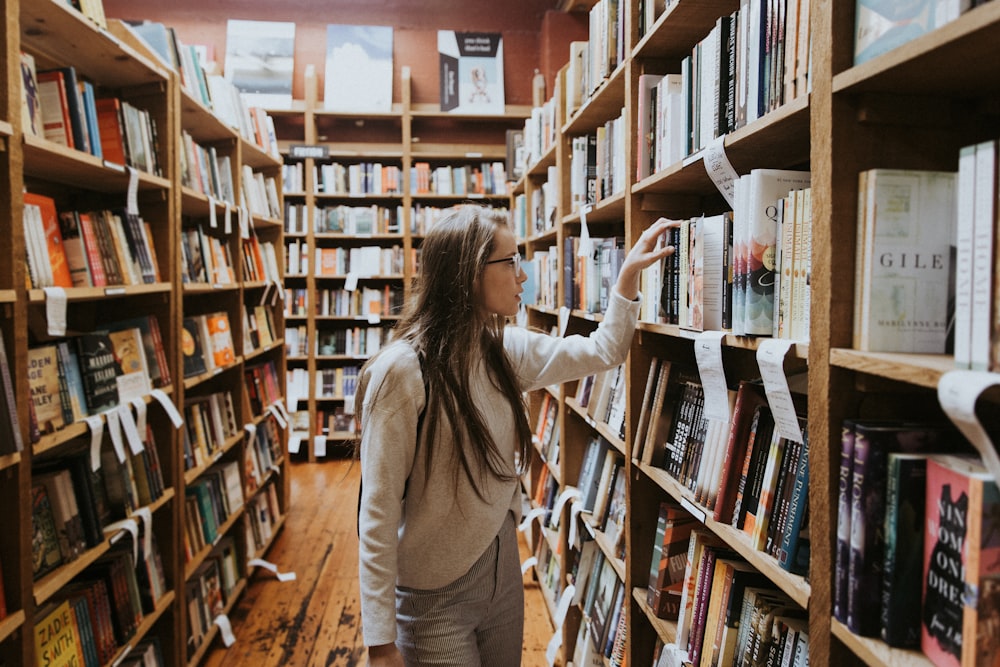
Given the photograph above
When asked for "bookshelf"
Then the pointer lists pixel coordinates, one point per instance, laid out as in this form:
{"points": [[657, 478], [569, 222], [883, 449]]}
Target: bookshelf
{"points": [[349, 305], [151, 457], [911, 108]]}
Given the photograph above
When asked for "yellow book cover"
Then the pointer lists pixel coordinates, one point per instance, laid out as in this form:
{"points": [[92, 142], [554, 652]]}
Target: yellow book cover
{"points": [[57, 638]]}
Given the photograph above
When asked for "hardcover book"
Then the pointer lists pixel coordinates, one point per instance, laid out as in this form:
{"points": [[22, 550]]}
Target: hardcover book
{"points": [[471, 71], [45, 553], [130, 355], [193, 348], [903, 260], [358, 74], [31, 110], [11, 439], [52, 234], [904, 547], [57, 636], [961, 565], [872, 444], [766, 187]]}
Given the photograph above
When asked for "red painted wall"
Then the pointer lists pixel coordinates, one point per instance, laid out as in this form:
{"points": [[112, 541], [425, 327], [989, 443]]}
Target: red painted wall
{"points": [[415, 24]]}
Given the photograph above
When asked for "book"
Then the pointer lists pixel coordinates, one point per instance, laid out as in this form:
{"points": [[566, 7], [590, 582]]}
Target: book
{"points": [[45, 551], [57, 636], [45, 388], [56, 125], [358, 75], [75, 249], [471, 72], [749, 397], [906, 478], [765, 188], [11, 439], [881, 26], [873, 442], [193, 348], [903, 260], [100, 370], [221, 337], [669, 560], [961, 563], [65, 511], [52, 234], [74, 106], [111, 129], [132, 379], [31, 109], [793, 541]]}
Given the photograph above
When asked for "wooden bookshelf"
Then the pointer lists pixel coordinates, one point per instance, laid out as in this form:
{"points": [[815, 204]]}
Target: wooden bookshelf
{"points": [[118, 63], [912, 107], [406, 134]]}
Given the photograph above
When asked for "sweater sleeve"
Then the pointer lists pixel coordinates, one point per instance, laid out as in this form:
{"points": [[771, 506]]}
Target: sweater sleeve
{"points": [[391, 408], [541, 359]]}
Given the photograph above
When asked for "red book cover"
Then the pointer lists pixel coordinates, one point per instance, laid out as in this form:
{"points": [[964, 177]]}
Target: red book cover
{"points": [[53, 238], [961, 569], [749, 397], [56, 122]]}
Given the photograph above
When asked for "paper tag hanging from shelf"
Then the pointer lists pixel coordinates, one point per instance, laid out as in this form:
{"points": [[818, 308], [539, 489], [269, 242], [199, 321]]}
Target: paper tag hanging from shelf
{"points": [[958, 391], [720, 170]]}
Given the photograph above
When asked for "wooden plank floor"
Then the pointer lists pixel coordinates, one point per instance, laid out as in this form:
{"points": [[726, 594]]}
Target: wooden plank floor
{"points": [[315, 620]]}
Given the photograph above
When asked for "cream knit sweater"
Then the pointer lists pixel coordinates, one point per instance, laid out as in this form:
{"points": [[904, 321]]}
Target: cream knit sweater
{"points": [[435, 535]]}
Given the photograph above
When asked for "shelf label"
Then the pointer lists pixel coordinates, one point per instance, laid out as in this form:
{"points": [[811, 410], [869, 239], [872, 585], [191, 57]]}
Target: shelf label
{"points": [[528, 564], [115, 430], [770, 360], [958, 391], [319, 445], [304, 151], [225, 629], [708, 353], [140, 416], [213, 218], [227, 218], [294, 442], [114, 291], [168, 407]]}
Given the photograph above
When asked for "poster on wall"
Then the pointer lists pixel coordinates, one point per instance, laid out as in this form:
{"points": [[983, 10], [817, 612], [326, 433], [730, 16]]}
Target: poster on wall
{"points": [[471, 65], [260, 56], [358, 73]]}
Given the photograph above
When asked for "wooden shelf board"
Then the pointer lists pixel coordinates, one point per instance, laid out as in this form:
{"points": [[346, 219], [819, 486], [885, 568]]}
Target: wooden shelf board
{"points": [[428, 151], [6, 129], [924, 370], [257, 157], [195, 289], [203, 125], [778, 140], [8, 296], [876, 652], [197, 559], [666, 630], [678, 29], [194, 380], [80, 294], [951, 60], [321, 196], [11, 623], [53, 162], [49, 584], [9, 460], [798, 349], [96, 53], [604, 104], [610, 210], [430, 110], [540, 167], [213, 629], [796, 587]]}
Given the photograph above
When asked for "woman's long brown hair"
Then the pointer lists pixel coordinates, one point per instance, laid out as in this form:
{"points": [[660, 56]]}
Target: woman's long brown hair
{"points": [[450, 332]]}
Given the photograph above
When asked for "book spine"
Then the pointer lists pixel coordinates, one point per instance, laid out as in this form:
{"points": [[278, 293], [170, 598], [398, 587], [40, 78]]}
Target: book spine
{"points": [[842, 556]]}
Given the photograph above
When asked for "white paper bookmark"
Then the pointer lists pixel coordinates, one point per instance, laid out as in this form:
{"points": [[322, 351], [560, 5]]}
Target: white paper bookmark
{"points": [[557, 638], [128, 427], [125, 525], [294, 442], [168, 407], [267, 565], [140, 416], [770, 360], [115, 430], [708, 353], [96, 424], [146, 515], [958, 391], [132, 195], [531, 516], [227, 217], [586, 247], [55, 310], [225, 629], [720, 169], [319, 445], [251, 430], [528, 564]]}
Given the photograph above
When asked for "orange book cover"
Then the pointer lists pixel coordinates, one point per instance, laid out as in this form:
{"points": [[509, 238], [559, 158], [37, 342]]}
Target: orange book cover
{"points": [[110, 128], [222, 339], [53, 238]]}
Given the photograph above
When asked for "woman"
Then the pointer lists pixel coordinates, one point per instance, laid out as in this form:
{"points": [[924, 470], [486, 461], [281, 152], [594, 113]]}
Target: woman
{"points": [[443, 424]]}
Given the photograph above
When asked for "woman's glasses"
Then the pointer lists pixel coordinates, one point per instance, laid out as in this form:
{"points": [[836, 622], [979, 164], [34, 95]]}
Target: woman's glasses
{"points": [[514, 261]]}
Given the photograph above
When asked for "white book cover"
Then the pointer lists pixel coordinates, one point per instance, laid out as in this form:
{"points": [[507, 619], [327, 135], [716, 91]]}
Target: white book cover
{"points": [[260, 56], [471, 68], [906, 255], [358, 74], [983, 254], [963, 255]]}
